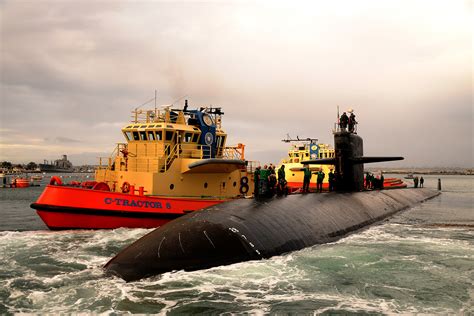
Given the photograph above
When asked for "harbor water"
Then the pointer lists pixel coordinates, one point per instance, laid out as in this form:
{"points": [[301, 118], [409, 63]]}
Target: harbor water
{"points": [[419, 261]]}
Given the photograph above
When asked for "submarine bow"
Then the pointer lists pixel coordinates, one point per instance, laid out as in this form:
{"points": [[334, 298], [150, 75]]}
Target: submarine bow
{"points": [[248, 229]]}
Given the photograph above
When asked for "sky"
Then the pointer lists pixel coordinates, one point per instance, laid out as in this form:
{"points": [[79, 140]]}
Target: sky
{"points": [[71, 72]]}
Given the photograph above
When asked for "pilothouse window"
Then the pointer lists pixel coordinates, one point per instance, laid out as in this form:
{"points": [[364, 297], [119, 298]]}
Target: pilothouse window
{"points": [[128, 135], [142, 135], [169, 135], [188, 137], [151, 135], [136, 136], [159, 135]]}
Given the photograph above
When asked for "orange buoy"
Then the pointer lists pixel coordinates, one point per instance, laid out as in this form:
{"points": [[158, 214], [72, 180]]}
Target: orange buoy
{"points": [[21, 183]]}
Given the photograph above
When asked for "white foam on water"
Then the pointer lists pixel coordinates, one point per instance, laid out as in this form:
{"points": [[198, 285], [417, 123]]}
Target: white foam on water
{"points": [[76, 262], [291, 281], [390, 233]]}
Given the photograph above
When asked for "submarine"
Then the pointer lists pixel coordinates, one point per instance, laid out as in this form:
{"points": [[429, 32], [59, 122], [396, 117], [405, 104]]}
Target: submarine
{"points": [[255, 229]]}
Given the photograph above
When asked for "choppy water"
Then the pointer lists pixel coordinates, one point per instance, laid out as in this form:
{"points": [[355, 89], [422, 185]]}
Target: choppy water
{"points": [[421, 261]]}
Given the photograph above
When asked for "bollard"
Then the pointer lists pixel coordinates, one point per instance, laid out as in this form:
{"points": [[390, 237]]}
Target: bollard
{"points": [[439, 184]]}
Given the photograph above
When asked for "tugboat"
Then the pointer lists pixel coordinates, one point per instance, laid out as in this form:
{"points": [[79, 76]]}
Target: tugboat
{"points": [[304, 149], [174, 161]]}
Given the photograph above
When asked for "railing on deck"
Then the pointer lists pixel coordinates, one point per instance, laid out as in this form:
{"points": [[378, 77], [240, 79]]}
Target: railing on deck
{"points": [[129, 162], [233, 152], [109, 162], [252, 165]]}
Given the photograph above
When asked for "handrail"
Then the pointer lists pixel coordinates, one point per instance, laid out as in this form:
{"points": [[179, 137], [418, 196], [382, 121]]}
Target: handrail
{"points": [[112, 157], [170, 158], [231, 153], [252, 165], [171, 152]]}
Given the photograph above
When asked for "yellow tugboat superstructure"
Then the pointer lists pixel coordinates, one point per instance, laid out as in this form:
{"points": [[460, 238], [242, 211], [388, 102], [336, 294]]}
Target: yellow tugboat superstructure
{"points": [[177, 153]]}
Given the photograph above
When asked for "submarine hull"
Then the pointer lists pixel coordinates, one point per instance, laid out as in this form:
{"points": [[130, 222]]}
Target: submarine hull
{"points": [[248, 229]]}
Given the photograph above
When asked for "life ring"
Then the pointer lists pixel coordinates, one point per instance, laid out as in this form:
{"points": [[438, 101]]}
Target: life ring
{"points": [[244, 188], [55, 180], [244, 180], [125, 187]]}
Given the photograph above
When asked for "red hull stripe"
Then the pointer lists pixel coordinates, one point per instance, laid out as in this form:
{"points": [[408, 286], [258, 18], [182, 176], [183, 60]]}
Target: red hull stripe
{"points": [[102, 212]]}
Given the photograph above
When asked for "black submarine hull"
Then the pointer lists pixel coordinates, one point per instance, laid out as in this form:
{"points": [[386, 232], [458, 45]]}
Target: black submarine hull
{"points": [[248, 229]]}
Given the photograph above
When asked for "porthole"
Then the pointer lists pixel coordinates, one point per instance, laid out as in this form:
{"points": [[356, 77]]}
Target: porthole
{"points": [[223, 184], [171, 186], [205, 185], [234, 184]]}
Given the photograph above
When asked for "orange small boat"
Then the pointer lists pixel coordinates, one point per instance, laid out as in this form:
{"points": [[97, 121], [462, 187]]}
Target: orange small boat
{"points": [[20, 183], [393, 183]]}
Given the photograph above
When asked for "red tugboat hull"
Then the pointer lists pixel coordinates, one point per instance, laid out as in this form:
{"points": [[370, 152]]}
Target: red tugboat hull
{"points": [[63, 207]]}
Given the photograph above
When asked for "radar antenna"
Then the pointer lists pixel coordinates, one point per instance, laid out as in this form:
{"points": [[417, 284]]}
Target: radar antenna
{"points": [[298, 139]]}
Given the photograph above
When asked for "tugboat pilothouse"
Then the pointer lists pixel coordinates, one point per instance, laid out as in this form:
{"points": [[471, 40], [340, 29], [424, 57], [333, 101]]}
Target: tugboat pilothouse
{"points": [[174, 161]]}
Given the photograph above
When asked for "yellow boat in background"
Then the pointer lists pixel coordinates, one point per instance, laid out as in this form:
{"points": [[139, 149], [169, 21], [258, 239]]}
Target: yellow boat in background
{"points": [[305, 149]]}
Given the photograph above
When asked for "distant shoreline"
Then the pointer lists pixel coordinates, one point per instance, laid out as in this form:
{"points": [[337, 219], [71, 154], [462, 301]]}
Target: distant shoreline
{"points": [[427, 171]]}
